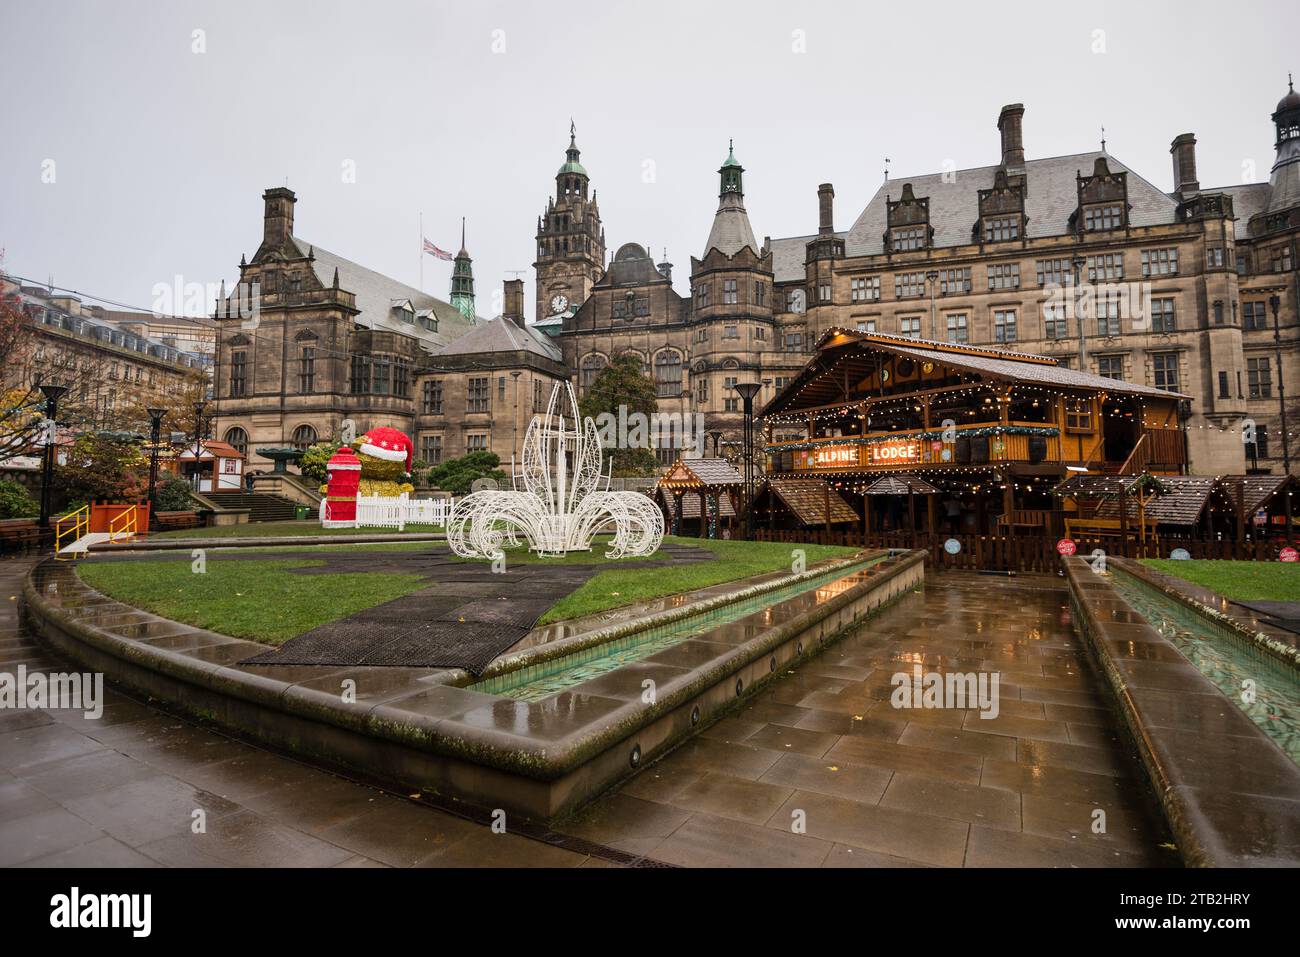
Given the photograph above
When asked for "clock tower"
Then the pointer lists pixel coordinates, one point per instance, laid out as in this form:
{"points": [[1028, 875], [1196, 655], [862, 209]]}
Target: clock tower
{"points": [[570, 240]]}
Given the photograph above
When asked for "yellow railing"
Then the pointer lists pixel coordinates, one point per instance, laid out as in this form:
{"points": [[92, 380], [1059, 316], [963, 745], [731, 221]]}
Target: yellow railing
{"points": [[80, 525], [127, 523]]}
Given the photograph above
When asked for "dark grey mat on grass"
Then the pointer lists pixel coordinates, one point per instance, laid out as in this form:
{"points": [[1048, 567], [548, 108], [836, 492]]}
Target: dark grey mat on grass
{"points": [[465, 619]]}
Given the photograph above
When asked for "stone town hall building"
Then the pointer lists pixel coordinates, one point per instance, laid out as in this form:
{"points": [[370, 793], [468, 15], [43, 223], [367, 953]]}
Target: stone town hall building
{"points": [[971, 255]]}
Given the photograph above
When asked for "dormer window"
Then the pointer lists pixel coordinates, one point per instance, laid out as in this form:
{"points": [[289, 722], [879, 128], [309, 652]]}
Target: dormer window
{"points": [[907, 239], [1001, 229], [1100, 218]]}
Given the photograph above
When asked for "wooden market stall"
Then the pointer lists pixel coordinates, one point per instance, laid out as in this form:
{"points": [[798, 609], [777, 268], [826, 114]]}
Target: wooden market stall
{"points": [[705, 491], [801, 502], [992, 431], [1261, 503], [217, 467]]}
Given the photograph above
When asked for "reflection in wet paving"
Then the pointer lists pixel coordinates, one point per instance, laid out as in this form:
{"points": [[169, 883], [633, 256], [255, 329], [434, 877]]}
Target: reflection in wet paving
{"points": [[1226, 661], [731, 623]]}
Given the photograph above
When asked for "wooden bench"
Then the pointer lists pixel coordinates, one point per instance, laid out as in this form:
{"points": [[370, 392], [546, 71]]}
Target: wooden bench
{"points": [[1108, 527], [17, 534], [1026, 518], [172, 521]]}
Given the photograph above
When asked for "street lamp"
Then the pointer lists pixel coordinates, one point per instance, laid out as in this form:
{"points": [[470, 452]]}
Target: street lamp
{"points": [[198, 434], [747, 391], [1078, 262], [932, 277], [716, 436], [52, 395], [155, 428], [1274, 302]]}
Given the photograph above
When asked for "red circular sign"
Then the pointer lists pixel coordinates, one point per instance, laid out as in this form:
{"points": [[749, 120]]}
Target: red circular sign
{"points": [[1288, 554], [1065, 546]]}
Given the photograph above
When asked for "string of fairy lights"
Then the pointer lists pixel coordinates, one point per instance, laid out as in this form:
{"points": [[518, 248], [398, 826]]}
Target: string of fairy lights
{"points": [[1119, 403]]}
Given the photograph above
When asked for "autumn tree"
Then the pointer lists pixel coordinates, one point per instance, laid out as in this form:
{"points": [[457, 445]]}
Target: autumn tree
{"points": [[623, 383]]}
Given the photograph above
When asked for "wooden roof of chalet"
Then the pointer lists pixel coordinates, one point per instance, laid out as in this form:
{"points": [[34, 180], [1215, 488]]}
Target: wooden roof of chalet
{"points": [[901, 485], [807, 498], [844, 357]]}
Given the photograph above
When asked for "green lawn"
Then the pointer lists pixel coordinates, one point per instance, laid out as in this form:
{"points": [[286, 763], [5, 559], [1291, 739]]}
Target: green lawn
{"points": [[1244, 581], [260, 600], [624, 586], [266, 601], [310, 526]]}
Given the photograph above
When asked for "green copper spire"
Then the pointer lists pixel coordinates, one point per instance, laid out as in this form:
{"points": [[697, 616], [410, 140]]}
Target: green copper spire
{"points": [[462, 280], [732, 173], [571, 164]]}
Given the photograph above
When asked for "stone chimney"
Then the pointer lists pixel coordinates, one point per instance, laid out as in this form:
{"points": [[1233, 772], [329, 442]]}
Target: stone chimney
{"points": [[1013, 142], [825, 210], [514, 302], [277, 223], [1183, 150]]}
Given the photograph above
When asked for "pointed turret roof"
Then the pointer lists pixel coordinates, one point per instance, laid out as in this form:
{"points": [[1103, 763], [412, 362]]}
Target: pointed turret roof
{"points": [[731, 231]]}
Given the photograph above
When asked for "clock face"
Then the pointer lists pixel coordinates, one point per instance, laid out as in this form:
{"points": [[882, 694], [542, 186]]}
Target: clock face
{"points": [[559, 303]]}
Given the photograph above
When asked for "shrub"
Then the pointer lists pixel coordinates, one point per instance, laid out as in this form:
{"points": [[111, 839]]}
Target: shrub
{"points": [[313, 461], [457, 475], [174, 494], [16, 501]]}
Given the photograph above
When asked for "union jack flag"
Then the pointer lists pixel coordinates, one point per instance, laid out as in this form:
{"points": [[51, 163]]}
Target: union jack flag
{"points": [[433, 250]]}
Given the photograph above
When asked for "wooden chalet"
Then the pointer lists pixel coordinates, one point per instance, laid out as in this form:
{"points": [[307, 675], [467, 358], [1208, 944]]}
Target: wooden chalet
{"points": [[992, 431]]}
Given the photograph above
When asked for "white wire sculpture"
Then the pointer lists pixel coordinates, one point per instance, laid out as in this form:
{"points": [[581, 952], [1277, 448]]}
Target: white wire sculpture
{"points": [[564, 502]]}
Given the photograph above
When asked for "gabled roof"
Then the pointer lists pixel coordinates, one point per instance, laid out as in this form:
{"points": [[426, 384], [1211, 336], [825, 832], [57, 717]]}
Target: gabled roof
{"points": [[1050, 197], [1182, 503], [807, 499], [1254, 491], [901, 485], [1106, 486], [212, 449], [705, 471], [984, 361], [376, 295], [502, 335]]}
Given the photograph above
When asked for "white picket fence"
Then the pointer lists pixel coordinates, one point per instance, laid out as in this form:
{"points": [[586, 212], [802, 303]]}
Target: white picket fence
{"points": [[384, 511]]}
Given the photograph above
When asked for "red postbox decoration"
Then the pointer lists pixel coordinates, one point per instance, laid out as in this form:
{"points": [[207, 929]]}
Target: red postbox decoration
{"points": [[343, 474]]}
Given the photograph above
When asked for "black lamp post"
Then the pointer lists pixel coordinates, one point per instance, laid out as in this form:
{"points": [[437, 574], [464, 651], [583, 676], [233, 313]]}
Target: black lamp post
{"points": [[716, 436], [155, 429], [52, 395], [1078, 262], [198, 434], [1274, 302], [747, 391]]}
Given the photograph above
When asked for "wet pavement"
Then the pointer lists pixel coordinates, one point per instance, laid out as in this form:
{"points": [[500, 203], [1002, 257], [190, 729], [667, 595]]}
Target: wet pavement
{"points": [[821, 770], [123, 791], [821, 751]]}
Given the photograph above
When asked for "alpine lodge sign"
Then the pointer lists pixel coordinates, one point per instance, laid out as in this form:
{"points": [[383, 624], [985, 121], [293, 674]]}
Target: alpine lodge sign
{"points": [[884, 453]]}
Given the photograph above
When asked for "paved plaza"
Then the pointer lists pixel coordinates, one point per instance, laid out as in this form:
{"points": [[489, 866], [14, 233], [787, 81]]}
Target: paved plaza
{"points": [[821, 750]]}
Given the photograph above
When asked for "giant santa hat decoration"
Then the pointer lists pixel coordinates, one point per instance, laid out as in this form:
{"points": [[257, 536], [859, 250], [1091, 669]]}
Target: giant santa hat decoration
{"points": [[387, 444]]}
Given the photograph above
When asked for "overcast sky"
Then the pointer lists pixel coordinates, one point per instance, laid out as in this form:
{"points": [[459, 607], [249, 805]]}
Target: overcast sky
{"points": [[160, 153]]}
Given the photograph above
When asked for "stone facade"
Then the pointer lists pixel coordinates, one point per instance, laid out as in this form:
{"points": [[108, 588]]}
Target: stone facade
{"points": [[1175, 290], [111, 370]]}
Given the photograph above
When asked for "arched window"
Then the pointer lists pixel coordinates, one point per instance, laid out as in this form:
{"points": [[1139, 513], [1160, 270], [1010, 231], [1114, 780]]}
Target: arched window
{"points": [[237, 439], [668, 374], [304, 437], [640, 359], [591, 367]]}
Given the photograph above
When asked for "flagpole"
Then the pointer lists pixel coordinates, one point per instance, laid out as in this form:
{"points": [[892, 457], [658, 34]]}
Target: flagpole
{"points": [[421, 250]]}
